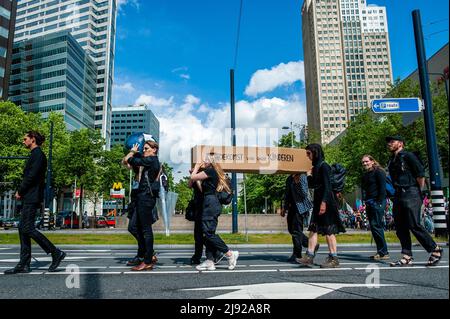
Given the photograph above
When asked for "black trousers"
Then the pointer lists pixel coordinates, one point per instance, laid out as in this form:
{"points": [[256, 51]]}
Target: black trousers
{"points": [[406, 212], [27, 231], [198, 237], [295, 228], [133, 229], [210, 214], [144, 208], [375, 213]]}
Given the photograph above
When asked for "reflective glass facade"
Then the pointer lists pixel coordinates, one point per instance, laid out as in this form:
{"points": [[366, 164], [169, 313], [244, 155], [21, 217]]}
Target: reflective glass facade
{"points": [[53, 73], [7, 23], [92, 23]]}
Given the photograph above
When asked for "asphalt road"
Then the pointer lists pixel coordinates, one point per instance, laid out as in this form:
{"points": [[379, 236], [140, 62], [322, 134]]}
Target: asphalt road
{"points": [[91, 272]]}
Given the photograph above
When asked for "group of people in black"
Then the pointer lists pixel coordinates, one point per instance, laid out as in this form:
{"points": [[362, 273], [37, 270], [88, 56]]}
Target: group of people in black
{"points": [[408, 179], [207, 180]]}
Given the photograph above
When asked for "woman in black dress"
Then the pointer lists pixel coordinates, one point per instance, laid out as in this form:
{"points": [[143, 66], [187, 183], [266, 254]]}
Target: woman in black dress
{"points": [[325, 218]]}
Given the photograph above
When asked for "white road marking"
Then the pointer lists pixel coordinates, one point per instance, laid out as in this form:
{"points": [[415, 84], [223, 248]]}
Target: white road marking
{"points": [[160, 272], [84, 273], [413, 267], [282, 290]]}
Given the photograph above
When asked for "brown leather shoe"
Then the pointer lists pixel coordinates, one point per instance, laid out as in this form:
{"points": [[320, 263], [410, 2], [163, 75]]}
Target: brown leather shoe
{"points": [[142, 267]]}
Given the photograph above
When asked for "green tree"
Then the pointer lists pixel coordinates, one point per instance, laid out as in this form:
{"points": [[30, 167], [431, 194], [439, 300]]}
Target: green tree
{"points": [[184, 194], [14, 123], [169, 172], [81, 157], [366, 134]]}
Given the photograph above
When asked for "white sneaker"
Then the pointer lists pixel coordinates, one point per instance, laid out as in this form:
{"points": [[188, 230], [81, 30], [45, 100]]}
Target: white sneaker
{"points": [[206, 265], [232, 260]]}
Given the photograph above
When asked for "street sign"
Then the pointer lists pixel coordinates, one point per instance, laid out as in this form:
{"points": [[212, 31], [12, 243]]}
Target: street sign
{"points": [[401, 105], [117, 191]]}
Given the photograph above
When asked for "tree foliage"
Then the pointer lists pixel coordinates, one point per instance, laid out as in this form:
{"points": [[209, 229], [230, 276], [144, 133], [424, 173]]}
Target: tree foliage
{"points": [[366, 134], [184, 194]]}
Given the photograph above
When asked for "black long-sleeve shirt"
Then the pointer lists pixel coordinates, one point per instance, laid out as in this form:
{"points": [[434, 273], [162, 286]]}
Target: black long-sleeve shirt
{"points": [[151, 169], [320, 181], [373, 185], [32, 187], [405, 168]]}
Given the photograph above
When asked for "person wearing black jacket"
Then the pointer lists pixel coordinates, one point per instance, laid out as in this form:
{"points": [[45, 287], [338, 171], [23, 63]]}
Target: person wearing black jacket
{"points": [[373, 187], [325, 218], [149, 169], [31, 193], [198, 233], [296, 205], [132, 223], [408, 178]]}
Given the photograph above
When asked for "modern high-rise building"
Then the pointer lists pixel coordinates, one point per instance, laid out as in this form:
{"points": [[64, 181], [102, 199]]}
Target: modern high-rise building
{"points": [[347, 61], [7, 23], [53, 73], [93, 24], [132, 119]]}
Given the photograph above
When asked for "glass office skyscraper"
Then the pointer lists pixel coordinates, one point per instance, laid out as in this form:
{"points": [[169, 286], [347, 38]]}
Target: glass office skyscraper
{"points": [[93, 24], [54, 73], [7, 22]]}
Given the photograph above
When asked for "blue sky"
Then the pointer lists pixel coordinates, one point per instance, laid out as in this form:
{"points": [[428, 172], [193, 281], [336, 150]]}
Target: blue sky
{"points": [[187, 47], [176, 55]]}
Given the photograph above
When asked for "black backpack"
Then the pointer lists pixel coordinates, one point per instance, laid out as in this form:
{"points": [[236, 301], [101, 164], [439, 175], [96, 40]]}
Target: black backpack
{"points": [[338, 173], [224, 197]]}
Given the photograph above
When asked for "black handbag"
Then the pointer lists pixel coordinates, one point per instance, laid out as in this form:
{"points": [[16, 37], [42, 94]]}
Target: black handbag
{"points": [[190, 211], [155, 186]]}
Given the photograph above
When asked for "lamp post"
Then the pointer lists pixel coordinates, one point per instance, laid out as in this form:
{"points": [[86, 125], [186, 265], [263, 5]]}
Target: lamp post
{"points": [[292, 134]]}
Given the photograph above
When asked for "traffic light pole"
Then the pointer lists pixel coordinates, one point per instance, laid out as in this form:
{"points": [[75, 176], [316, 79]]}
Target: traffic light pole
{"points": [[437, 195], [48, 187], [233, 140]]}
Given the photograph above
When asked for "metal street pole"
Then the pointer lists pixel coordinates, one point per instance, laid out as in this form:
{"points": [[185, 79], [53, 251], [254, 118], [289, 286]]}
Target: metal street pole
{"points": [[437, 195], [233, 141], [48, 186], [245, 210], [292, 137]]}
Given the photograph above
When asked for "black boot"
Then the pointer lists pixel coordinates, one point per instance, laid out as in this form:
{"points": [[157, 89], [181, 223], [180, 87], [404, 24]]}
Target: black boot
{"points": [[57, 257], [19, 269]]}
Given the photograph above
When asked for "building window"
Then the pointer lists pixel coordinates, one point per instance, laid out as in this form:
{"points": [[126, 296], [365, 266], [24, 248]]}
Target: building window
{"points": [[4, 32], [5, 13]]}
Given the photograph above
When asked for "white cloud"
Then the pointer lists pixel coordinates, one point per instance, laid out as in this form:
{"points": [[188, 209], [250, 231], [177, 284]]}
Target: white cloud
{"points": [[125, 87], [191, 99], [153, 101], [185, 76], [122, 3], [267, 80], [181, 68], [181, 128]]}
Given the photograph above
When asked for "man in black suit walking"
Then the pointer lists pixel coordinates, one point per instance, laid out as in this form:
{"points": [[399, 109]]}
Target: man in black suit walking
{"points": [[31, 193]]}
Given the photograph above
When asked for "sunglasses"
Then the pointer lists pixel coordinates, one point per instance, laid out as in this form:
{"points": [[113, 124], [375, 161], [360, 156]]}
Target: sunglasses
{"points": [[150, 147]]}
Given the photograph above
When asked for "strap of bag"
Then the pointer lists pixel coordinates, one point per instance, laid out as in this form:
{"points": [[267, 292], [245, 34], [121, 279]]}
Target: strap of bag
{"points": [[148, 182]]}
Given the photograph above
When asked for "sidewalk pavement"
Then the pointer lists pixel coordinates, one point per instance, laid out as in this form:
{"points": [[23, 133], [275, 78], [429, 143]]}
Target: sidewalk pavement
{"points": [[125, 231]]}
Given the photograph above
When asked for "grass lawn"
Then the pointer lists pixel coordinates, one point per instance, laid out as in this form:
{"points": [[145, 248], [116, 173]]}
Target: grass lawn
{"points": [[126, 239]]}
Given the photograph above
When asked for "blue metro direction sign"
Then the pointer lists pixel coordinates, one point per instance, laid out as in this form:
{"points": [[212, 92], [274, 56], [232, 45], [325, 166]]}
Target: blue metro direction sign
{"points": [[402, 105]]}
